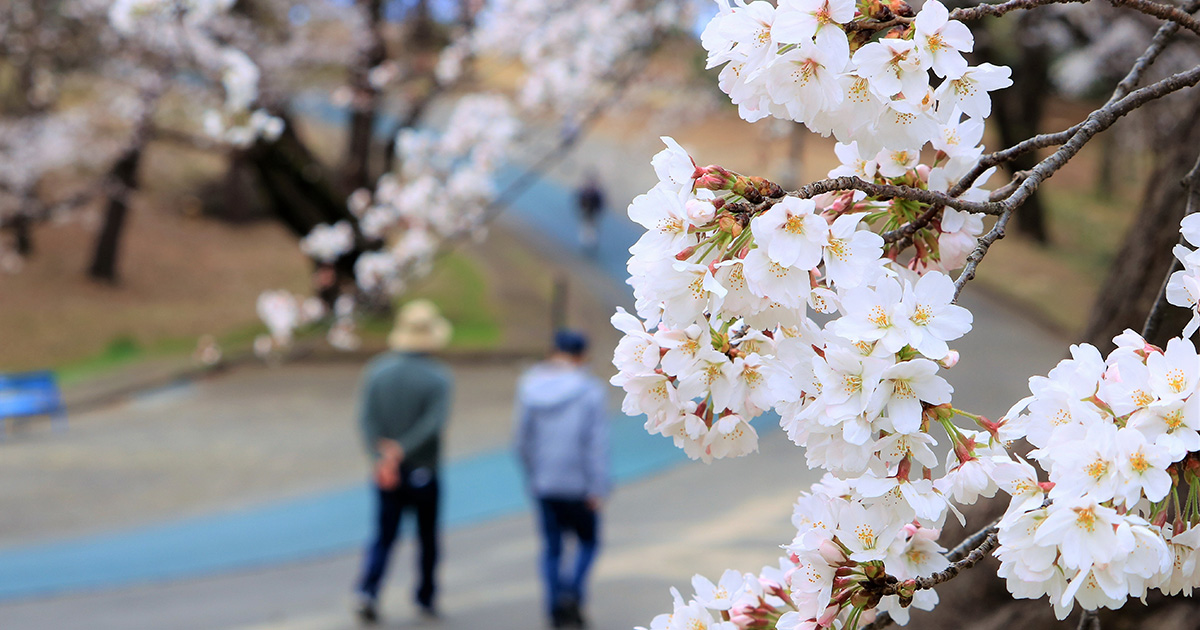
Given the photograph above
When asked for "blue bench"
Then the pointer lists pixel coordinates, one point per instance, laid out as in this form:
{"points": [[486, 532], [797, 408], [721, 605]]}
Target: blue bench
{"points": [[31, 394]]}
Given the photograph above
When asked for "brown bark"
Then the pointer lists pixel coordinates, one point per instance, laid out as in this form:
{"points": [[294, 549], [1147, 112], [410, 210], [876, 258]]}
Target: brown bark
{"points": [[296, 185], [123, 179], [1145, 256], [356, 167], [21, 228]]}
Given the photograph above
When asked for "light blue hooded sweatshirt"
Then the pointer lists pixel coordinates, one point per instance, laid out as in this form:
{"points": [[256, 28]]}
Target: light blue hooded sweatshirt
{"points": [[562, 432]]}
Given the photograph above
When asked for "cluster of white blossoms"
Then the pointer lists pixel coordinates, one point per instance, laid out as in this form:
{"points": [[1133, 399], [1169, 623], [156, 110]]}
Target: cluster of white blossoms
{"points": [[843, 552], [283, 313], [1117, 437], [440, 190], [326, 243], [723, 333], [180, 30], [725, 280], [567, 48], [813, 62], [731, 268], [1183, 288]]}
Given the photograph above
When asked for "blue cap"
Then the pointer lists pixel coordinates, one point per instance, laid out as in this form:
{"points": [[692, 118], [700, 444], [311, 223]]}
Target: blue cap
{"points": [[570, 342]]}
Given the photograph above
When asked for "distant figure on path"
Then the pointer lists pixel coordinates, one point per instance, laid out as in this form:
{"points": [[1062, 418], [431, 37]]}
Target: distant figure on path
{"points": [[591, 204], [403, 405], [562, 442]]}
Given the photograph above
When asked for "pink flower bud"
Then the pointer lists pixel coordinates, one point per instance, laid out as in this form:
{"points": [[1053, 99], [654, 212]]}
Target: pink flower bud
{"points": [[950, 361], [742, 620], [832, 553], [923, 171], [700, 211], [713, 177]]}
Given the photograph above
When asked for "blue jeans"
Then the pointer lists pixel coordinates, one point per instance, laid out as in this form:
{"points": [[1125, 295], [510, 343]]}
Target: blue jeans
{"points": [[574, 516], [418, 491]]}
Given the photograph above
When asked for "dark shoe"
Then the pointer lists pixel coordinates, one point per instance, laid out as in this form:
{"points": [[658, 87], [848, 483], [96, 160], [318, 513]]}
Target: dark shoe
{"points": [[568, 613], [427, 612], [365, 611], [557, 620]]}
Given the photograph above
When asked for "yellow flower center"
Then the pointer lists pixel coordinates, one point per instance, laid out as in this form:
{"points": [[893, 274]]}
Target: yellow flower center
{"points": [[922, 315], [1176, 380], [866, 535], [879, 317], [838, 248], [794, 225], [1138, 462], [1085, 518]]}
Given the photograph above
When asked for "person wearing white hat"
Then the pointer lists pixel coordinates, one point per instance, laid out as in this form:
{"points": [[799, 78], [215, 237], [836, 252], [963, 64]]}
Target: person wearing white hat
{"points": [[403, 405]]}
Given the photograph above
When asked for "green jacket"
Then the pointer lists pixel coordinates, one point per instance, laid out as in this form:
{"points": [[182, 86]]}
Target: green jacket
{"points": [[405, 396]]}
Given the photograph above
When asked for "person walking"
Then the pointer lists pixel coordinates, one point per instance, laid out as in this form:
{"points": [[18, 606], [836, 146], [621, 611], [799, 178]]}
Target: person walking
{"points": [[403, 405], [562, 443], [590, 198]]}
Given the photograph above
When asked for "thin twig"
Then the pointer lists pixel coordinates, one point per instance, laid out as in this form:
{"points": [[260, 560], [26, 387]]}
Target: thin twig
{"points": [[1162, 11], [972, 549], [1165, 34], [1076, 137], [876, 25], [981, 250], [908, 229], [996, 10], [966, 555]]}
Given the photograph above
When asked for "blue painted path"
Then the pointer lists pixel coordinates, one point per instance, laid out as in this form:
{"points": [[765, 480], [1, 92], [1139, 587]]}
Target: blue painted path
{"points": [[478, 488]]}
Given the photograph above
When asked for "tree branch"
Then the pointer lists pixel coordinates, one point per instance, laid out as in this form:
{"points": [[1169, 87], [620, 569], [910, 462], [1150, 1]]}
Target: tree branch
{"points": [[1072, 140], [963, 556], [1162, 11], [967, 554], [996, 10], [1163, 37]]}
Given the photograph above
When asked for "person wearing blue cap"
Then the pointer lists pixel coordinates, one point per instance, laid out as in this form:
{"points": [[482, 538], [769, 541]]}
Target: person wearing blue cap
{"points": [[562, 443]]}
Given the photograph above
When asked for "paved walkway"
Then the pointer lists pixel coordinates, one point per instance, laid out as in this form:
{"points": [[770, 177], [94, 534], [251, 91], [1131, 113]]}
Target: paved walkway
{"points": [[659, 529]]}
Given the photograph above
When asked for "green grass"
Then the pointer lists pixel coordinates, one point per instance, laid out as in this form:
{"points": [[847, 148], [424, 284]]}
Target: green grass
{"points": [[1087, 229], [121, 351], [458, 286]]}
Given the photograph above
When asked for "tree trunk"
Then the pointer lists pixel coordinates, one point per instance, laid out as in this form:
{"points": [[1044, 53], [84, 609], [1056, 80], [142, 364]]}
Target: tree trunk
{"points": [[22, 234], [1145, 256], [296, 185], [356, 167], [123, 178], [1018, 115]]}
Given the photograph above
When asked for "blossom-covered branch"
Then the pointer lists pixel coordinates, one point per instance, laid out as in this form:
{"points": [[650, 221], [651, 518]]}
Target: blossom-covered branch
{"points": [[730, 265]]}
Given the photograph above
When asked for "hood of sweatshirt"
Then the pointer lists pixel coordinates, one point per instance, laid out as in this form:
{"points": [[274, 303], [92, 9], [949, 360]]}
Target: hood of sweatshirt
{"points": [[552, 384]]}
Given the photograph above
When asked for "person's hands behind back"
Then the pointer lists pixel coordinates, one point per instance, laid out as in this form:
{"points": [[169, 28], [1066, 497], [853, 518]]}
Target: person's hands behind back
{"points": [[387, 467]]}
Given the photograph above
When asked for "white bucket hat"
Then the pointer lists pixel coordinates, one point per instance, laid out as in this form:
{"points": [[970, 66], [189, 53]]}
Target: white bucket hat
{"points": [[419, 328]]}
